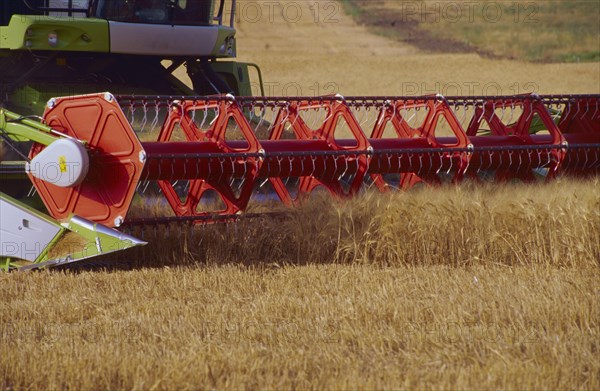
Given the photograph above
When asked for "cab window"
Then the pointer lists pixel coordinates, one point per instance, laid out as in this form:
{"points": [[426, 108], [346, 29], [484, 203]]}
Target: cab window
{"points": [[174, 12]]}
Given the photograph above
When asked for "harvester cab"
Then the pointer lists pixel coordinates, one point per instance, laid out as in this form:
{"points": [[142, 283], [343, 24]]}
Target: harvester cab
{"points": [[67, 47]]}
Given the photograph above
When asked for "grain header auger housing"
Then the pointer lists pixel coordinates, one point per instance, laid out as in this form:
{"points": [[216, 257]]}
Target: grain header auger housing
{"points": [[88, 164]]}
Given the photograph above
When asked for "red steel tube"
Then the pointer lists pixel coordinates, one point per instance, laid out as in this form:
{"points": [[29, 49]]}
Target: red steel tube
{"points": [[295, 158]]}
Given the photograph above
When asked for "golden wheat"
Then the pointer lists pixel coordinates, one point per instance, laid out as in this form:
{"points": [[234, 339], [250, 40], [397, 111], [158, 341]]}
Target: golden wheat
{"points": [[461, 287], [555, 224], [319, 327]]}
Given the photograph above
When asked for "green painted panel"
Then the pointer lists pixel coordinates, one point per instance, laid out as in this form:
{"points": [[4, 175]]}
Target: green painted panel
{"points": [[225, 46], [33, 32]]}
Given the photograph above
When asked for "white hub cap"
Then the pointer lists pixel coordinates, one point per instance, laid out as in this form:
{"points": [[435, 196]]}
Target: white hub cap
{"points": [[63, 163]]}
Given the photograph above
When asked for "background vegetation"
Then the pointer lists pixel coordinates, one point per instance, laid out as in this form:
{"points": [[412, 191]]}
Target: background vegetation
{"points": [[540, 31]]}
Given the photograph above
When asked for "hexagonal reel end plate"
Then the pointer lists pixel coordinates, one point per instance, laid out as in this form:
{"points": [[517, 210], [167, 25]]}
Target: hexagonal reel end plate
{"points": [[104, 196]]}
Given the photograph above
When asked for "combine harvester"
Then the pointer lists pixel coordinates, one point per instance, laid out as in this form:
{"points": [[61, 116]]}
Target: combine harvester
{"points": [[208, 151]]}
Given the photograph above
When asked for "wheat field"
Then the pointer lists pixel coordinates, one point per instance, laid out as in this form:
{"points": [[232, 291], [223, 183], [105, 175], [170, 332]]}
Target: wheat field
{"points": [[476, 286], [483, 287]]}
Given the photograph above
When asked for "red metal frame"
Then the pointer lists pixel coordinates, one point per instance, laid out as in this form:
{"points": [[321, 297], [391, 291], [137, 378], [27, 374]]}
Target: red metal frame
{"points": [[336, 110], [211, 161], [182, 114], [116, 160]]}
